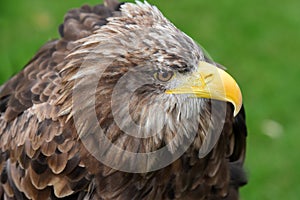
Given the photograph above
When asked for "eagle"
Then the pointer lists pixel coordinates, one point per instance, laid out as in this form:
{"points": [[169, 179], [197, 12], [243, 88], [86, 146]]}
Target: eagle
{"points": [[122, 106]]}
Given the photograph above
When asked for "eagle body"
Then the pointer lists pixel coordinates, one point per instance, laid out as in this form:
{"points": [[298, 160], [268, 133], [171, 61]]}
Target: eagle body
{"points": [[113, 77]]}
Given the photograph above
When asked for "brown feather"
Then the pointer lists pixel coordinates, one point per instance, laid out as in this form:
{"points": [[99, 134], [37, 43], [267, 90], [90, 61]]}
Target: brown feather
{"points": [[44, 151], [57, 162]]}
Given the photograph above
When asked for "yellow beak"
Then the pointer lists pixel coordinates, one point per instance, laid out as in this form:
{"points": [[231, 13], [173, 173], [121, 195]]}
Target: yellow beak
{"points": [[211, 82]]}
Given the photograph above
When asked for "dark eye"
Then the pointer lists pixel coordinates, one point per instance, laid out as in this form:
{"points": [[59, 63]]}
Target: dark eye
{"points": [[164, 75]]}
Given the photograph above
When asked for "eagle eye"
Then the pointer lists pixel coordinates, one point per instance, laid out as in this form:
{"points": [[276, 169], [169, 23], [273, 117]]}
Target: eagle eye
{"points": [[164, 75]]}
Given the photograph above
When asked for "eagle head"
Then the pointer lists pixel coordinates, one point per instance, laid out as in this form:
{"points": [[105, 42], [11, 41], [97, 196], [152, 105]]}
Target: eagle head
{"points": [[138, 86]]}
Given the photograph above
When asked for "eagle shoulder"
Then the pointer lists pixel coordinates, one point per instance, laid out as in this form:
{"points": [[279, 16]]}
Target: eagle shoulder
{"points": [[39, 154]]}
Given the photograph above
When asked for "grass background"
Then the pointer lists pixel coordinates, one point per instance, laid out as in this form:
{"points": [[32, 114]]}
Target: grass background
{"points": [[258, 41]]}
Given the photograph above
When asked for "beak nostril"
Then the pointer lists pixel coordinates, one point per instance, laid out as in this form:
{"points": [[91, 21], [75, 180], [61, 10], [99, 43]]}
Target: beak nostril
{"points": [[208, 76]]}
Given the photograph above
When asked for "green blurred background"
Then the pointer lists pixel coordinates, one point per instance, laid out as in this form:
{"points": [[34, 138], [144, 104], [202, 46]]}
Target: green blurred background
{"points": [[258, 41]]}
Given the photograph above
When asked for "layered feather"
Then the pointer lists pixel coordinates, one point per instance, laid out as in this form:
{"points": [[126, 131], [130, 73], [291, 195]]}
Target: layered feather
{"points": [[42, 155]]}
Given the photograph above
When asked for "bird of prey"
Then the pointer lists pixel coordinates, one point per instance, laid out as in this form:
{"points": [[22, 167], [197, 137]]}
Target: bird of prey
{"points": [[122, 106]]}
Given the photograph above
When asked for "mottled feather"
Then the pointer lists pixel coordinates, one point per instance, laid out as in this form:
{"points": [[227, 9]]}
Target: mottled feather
{"points": [[42, 155]]}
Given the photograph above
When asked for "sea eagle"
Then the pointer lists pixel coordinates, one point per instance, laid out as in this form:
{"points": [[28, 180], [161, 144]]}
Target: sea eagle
{"points": [[122, 106]]}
